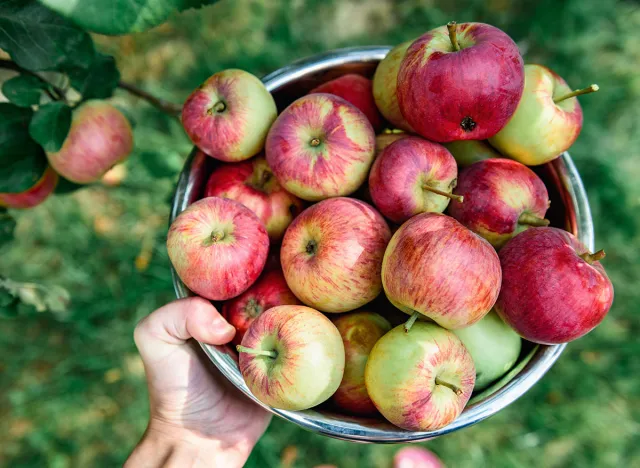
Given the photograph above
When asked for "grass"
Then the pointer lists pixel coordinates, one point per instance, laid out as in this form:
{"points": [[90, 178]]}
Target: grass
{"points": [[72, 389]]}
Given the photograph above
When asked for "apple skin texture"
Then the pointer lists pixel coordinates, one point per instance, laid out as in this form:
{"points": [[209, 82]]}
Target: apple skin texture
{"points": [[310, 357], [360, 331], [385, 84], [228, 116], [223, 268], [401, 376], [332, 253], [435, 266], [400, 172], [469, 94], [494, 347], [416, 457], [496, 192], [253, 184], [34, 195], [268, 291], [321, 146], [99, 138], [357, 90], [467, 152], [549, 294], [540, 129]]}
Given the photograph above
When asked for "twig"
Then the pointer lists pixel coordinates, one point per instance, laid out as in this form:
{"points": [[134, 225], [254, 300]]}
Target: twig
{"points": [[59, 92], [165, 106]]}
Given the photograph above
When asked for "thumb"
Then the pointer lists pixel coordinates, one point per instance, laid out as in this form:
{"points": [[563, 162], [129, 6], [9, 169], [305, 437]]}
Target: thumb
{"points": [[173, 324]]}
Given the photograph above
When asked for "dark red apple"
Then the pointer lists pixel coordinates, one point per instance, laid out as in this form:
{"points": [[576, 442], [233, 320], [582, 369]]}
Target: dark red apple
{"points": [[553, 289], [460, 82]]}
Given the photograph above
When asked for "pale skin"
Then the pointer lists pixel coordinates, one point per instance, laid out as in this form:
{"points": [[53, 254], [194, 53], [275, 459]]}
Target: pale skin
{"points": [[197, 418]]}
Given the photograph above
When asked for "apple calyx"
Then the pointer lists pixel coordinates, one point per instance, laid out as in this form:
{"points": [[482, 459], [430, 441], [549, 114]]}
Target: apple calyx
{"points": [[454, 388], [262, 181], [458, 198], [311, 247], [219, 107], [315, 142], [589, 89], [253, 308], [529, 219], [592, 257], [409, 323], [257, 352], [453, 36], [468, 124]]}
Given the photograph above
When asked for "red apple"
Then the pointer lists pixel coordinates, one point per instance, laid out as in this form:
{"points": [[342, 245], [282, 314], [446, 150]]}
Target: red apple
{"points": [[460, 82], [99, 138], [268, 291], [321, 146], [553, 289], [360, 331], [416, 457], [34, 195], [218, 247], [332, 253], [357, 90], [501, 198], [385, 84], [420, 381], [229, 115], [436, 267], [292, 357], [412, 176], [253, 184], [547, 121]]}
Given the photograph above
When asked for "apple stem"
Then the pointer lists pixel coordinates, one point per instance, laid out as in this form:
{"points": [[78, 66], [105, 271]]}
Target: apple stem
{"points": [[216, 236], [409, 323], [257, 352], [593, 257], [315, 142], [590, 89], [453, 35], [529, 219], [219, 107], [458, 198], [454, 388]]}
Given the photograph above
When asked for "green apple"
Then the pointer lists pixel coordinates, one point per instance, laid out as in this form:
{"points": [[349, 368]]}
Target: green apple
{"points": [[467, 152], [494, 347]]}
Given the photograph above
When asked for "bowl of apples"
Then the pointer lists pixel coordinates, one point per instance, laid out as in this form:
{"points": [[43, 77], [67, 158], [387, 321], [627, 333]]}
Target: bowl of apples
{"points": [[398, 234]]}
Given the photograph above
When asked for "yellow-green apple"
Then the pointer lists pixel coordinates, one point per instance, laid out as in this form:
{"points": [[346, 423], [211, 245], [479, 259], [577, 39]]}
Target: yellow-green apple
{"points": [[292, 357], [357, 90], [385, 139], [332, 253], [268, 291], [412, 176], [502, 198], [416, 457], [99, 138], [34, 195], [436, 267], [494, 347], [547, 121], [253, 184], [218, 247], [553, 289], [228, 116], [360, 331], [466, 152], [420, 381], [321, 146], [385, 83], [460, 82]]}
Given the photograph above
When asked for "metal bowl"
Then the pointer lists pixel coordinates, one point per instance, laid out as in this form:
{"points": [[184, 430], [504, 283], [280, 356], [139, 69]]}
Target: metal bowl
{"points": [[569, 210]]}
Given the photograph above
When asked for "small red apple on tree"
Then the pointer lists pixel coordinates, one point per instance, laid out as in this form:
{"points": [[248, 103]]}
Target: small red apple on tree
{"points": [[34, 195]]}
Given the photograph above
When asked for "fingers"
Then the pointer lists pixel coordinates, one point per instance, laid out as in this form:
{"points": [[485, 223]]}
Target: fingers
{"points": [[179, 321]]}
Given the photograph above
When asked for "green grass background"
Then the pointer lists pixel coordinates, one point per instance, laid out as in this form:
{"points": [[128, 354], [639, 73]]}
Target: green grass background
{"points": [[72, 389]]}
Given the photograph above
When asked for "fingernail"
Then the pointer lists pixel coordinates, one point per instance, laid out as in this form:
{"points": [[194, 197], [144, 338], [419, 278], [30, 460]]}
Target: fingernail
{"points": [[221, 324]]}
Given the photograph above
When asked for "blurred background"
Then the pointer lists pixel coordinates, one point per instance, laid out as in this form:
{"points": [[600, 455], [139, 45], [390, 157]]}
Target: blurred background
{"points": [[72, 389]]}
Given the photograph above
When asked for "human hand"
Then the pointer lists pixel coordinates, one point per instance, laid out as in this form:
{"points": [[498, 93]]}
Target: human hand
{"points": [[197, 418]]}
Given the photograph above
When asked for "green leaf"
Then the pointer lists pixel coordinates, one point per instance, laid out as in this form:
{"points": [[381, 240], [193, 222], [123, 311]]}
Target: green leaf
{"points": [[23, 90], [36, 38], [157, 164], [99, 80], [7, 227], [50, 125], [22, 161], [120, 16]]}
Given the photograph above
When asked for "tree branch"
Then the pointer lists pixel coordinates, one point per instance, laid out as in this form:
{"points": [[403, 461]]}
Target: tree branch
{"points": [[59, 92], [165, 106]]}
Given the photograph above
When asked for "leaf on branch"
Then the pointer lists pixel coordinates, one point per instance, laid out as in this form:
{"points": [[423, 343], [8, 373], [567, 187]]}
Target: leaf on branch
{"points": [[23, 90], [50, 125], [7, 227], [38, 39], [99, 80], [22, 161], [115, 17]]}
